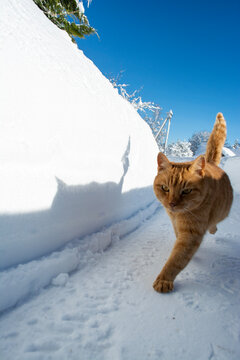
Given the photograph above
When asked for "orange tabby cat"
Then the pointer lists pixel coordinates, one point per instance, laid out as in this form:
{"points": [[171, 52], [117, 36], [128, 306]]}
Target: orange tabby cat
{"points": [[196, 195]]}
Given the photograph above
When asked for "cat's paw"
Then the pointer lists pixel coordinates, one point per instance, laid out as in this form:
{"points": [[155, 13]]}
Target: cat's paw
{"points": [[213, 229], [163, 286]]}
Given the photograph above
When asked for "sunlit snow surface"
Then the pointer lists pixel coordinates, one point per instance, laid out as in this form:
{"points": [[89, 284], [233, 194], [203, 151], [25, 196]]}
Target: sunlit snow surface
{"points": [[80, 194], [73, 153], [108, 308]]}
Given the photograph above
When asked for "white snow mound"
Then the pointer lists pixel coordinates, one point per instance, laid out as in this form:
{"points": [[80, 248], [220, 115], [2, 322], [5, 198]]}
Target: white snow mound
{"points": [[74, 155], [202, 149]]}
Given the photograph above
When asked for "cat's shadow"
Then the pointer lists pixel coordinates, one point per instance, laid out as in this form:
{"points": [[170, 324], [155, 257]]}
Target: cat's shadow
{"points": [[76, 211]]}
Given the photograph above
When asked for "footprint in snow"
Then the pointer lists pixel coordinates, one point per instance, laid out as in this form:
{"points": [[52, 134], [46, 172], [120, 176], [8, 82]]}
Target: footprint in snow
{"points": [[75, 317], [46, 346], [190, 301]]}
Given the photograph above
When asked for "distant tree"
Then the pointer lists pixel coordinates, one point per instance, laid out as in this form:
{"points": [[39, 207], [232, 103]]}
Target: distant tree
{"points": [[133, 98], [180, 149], [197, 139], [236, 144], [148, 110], [68, 15]]}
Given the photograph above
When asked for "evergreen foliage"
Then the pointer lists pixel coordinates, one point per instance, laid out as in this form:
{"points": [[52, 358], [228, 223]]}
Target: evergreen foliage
{"points": [[68, 15]]}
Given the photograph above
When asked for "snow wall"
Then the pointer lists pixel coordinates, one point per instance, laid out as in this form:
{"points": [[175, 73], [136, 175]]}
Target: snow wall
{"points": [[74, 156]]}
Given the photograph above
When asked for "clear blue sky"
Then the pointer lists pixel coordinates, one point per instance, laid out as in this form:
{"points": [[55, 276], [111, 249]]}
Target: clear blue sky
{"points": [[185, 54]]}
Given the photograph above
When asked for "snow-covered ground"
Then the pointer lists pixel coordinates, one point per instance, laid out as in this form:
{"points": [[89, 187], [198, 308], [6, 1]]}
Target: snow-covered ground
{"points": [[107, 309], [225, 151], [81, 236]]}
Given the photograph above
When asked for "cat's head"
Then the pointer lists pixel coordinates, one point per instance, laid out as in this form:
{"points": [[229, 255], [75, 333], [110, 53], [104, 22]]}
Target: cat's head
{"points": [[180, 186]]}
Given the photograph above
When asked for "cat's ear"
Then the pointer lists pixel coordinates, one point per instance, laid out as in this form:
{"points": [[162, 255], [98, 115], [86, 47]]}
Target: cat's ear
{"points": [[198, 165], [61, 184], [163, 162]]}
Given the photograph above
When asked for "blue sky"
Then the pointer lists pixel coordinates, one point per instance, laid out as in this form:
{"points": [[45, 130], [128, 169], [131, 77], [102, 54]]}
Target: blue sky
{"points": [[185, 54]]}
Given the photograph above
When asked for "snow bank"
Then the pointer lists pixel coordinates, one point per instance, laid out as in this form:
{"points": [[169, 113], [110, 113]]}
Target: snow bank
{"points": [[202, 149], [232, 167], [109, 310], [18, 283], [74, 155], [236, 151], [228, 152]]}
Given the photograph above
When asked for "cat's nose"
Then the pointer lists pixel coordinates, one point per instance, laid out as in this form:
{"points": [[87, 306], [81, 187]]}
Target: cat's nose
{"points": [[172, 204]]}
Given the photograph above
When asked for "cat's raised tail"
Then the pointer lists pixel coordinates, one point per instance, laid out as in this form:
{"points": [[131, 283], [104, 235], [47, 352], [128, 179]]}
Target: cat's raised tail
{"points": [[216, 140]]}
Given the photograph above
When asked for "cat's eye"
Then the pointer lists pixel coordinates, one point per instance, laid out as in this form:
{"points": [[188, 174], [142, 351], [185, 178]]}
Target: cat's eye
{"points": [[165, 188], [186, 191]]}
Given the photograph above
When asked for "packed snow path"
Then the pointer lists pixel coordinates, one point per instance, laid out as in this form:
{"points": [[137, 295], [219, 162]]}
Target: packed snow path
{"points": [[108, 310]]}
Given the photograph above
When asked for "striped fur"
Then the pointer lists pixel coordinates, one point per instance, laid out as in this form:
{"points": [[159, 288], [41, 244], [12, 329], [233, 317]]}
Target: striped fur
{"points": [[196, 195], [216, 140]]}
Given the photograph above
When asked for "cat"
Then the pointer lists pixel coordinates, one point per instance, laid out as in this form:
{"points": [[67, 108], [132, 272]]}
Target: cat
{"points": [[196, 195]]}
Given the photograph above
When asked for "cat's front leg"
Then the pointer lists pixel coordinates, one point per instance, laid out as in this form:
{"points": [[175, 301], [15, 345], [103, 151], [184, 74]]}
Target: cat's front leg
{"points": [[185, 247]]}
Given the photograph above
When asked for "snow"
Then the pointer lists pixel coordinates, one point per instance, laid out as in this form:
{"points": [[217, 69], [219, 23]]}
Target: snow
{"points": [[232, 167], [81, 236], [236, 151], [72, 158], [81, 7], [179, 149], [227, 152], [202, 148], [108, 309], [18, 283], [60, 280]]}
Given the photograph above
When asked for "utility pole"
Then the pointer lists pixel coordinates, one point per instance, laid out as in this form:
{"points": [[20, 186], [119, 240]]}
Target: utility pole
{"points": [[169, 117], [167, 120]]}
